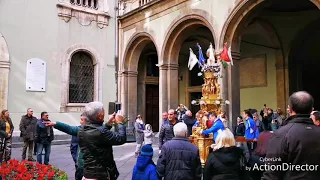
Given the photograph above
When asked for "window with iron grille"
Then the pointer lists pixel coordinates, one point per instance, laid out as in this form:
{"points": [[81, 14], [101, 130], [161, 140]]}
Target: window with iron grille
{"points": [[81, 82], [93, 4]]}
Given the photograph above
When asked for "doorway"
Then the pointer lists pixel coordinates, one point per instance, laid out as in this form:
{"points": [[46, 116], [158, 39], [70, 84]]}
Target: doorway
{"points": [[152, 106], [304, 62], [194, 108]]}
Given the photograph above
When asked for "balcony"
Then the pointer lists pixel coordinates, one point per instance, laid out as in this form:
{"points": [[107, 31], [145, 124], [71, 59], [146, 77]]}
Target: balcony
{"points": [[127, 6]]}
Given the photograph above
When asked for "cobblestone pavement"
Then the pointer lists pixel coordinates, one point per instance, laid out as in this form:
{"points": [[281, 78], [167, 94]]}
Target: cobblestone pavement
{"points": [[61, 158]]}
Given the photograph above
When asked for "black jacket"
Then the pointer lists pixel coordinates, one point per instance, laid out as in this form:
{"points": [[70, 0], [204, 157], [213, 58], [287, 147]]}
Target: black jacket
{"points": [[166, 133], [3, 132], [28, 127], [223, 164], [296, 143], [44, 135], [179, 160], [189, 122], [96, 143], [240, 129]]}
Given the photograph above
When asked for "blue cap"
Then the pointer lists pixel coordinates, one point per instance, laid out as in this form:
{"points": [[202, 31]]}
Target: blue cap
{"points": [[147, 150]]}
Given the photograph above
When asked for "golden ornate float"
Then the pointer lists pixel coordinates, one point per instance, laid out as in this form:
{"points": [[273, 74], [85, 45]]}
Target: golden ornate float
{"points": [[210, 102]]}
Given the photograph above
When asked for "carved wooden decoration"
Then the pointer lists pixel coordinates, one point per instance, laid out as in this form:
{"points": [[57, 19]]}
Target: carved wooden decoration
{"points": [[253, 72]]}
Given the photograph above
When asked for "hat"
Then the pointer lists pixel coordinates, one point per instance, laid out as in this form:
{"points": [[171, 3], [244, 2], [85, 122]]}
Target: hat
{"points": [[147, 150]]}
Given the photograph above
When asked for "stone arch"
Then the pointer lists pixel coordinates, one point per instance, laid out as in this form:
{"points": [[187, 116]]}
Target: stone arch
{"points": [[173, 40], [237, 15], [4, 72], [134, 48], [65, 106]]}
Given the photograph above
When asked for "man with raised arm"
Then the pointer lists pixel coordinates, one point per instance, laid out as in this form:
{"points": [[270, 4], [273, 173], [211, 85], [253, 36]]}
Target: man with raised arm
{"points": [[96, 143]]}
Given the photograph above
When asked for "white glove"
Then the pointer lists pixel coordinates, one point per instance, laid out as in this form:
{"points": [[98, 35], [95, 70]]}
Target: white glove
{"points": [[159, 151]]}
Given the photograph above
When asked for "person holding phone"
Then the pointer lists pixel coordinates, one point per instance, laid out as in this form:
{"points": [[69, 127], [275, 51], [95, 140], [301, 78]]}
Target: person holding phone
{"points": [[96, 141]]}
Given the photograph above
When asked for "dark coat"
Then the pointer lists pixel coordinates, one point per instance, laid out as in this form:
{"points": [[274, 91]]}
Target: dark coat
{"points": [[144, 169], [189, 122], [223, 164], [179, 160], [166, 133], [96, 141], [44, 134], [28, 127], [240, 129], [295, 143], [3, 132]]}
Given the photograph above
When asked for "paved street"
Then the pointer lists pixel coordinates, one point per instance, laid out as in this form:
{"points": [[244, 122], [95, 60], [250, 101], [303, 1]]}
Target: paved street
{"points": [[61, 158]]}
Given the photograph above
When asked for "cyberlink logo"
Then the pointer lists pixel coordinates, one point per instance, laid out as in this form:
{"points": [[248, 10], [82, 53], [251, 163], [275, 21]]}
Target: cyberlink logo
{"points": [[282, 167]]}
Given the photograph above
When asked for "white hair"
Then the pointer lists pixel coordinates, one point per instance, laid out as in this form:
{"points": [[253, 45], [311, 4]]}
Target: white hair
{"points": [[225, 138], [180, 130], [92, 109]]}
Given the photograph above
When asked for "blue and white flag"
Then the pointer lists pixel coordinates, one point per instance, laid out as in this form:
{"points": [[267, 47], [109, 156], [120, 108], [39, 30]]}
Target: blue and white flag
{"points": [[201, 58]]}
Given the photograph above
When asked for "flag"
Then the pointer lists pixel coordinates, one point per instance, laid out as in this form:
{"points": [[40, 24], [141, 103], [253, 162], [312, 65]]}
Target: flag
{"points": [[226, 55], [193, 60], [230, 56], [202, 60]]}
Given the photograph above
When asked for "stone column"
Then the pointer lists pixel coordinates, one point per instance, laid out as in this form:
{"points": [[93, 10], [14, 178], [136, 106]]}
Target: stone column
{"points": [[233, 85], [124, 93], [4, 83], [4, 73], [119, 76], [173, 86], [282, 81], [132, 95], [163, 91]]}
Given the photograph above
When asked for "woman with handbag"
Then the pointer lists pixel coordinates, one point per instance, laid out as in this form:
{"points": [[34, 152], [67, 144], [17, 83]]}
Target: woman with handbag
{"points": [[6, 127]]}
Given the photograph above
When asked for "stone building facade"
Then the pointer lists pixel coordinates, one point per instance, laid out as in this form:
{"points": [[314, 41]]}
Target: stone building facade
{"points": [[272, 42], [76, 41]]}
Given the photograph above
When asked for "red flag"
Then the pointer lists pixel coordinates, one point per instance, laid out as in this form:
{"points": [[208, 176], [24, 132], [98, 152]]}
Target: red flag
{"points": [[225, 55]]}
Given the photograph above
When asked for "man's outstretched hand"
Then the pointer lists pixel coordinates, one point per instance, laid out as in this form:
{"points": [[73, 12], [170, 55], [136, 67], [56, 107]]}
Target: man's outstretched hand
{"points": [[49, 123]]}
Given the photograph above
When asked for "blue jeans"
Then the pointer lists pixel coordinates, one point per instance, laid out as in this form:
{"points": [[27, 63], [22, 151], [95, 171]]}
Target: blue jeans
{"points": [[47, 150]]}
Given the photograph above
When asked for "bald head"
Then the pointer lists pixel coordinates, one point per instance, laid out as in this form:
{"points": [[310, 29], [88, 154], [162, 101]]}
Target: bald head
{"points": [[189, 113], [301, 102], [171, 115]]}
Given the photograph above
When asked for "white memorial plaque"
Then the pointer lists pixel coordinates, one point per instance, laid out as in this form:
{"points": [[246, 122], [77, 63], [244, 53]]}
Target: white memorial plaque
{"points": [[36, 75]]}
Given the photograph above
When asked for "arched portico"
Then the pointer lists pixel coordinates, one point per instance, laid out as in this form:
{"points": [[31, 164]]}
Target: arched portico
{"points": [[4, 72], [135, 80], [245, 14], [175, 79]]}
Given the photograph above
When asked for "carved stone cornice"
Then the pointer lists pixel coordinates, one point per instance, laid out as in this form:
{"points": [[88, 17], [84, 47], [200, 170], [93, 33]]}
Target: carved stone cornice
{"points": [[5, 64], [169, 66], [84, 15], [130, 73]]}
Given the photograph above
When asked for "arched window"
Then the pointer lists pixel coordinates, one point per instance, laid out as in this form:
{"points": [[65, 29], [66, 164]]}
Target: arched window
{"points": [[81, 82]]}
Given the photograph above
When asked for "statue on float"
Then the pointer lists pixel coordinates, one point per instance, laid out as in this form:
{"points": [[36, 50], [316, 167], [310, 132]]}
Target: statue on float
{"points": [[211, 100]]}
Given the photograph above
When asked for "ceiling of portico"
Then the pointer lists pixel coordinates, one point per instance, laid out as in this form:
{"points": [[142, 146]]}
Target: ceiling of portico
{"points": [[201, 35]]}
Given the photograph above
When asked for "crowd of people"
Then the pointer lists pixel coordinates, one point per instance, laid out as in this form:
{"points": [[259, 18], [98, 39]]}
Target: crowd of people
{"points": [[35, 135], [254, 149]]}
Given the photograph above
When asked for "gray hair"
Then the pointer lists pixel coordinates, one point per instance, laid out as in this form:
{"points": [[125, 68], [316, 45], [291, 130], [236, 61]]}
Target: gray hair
{"points": [[92, 109], [180, 130]]}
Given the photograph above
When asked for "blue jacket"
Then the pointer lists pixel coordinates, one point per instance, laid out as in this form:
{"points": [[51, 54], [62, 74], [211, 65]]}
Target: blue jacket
{"points": [[217, 125], [251, 130], [144, 169], [74, 148]]}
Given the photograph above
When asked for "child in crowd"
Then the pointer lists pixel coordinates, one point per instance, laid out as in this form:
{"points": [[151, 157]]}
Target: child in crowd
{"points": [[148, 135], [145, 168]]}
